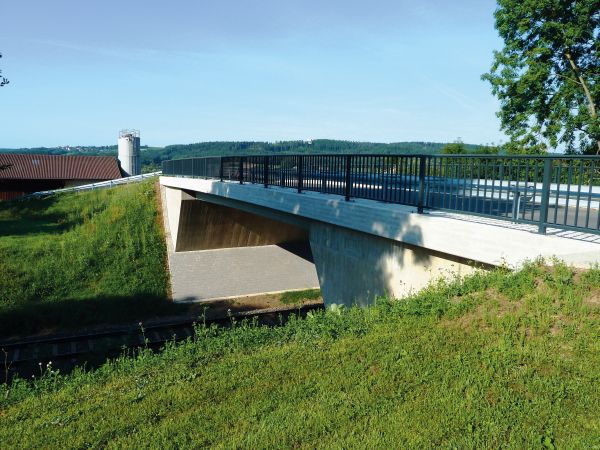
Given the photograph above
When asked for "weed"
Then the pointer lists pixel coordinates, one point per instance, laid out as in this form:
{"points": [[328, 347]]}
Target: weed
{"points": [[297, 297]]}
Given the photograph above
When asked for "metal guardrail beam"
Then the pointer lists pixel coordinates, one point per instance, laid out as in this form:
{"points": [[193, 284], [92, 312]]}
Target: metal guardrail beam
{"points": [[93, 186], [548, 191]]}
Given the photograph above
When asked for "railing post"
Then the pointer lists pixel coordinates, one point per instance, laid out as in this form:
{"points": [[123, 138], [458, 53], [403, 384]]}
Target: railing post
{"points": [[348, 177], [300, 174], [421, 195], [545, 200], [266, 171], [516, 204], [221, 168], [241, 170]]}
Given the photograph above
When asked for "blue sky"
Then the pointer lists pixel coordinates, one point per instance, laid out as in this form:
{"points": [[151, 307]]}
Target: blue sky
{"points": [[190, 71]]}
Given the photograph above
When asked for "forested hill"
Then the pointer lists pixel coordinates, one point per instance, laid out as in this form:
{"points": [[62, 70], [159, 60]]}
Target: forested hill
{"points": [[315, 146], [152, 156]]}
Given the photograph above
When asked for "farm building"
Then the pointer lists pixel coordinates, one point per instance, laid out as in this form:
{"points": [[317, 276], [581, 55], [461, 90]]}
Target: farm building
{"points": [[22, 174]]}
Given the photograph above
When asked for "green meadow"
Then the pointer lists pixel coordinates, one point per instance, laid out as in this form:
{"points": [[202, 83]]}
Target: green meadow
{"points": [[497, 360], [73, 260]]}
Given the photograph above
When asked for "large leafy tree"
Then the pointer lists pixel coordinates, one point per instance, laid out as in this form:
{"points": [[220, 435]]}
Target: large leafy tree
{"points": [[547, 75], [3, 81]]}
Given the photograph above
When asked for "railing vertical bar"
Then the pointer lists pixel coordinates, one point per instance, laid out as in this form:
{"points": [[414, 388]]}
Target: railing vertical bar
{"points": [[393, 180], [510, 168], [485, 175], [348, 184], [568, 197], [371, 181], [545, 195], [421, 184], [428, 174], [415, 180], [471, 171], [365, 178], [517, 177], [377, 178], [589, 202], [576, 220], [456, 181], [501, 178], [399, 179], [526, 178], [408, 178], [266, 171], [556, 197], [439, 182], [300, 174], [444, 178], [451, 183], [384, 171], [493, 187], [464, 184], [377, 191], [598, 211], [536, 180]]}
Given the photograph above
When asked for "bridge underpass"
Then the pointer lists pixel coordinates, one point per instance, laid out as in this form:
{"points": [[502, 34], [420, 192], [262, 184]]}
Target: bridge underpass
{"points": [[217, 252]]}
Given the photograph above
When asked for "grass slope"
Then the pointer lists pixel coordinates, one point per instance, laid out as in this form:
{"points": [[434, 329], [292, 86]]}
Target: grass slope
{"points": [[499, 360], [77, 259]]}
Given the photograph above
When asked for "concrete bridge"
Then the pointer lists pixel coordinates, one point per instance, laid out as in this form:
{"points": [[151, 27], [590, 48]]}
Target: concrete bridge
{"points": [[365, 247]]}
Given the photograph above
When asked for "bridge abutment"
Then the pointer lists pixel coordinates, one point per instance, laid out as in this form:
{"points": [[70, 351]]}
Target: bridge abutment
{"points": [[355, 268]]}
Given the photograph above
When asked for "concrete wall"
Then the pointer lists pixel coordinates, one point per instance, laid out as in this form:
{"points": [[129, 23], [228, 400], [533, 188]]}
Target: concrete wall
{"points": [[199, 225], [356, 268]]}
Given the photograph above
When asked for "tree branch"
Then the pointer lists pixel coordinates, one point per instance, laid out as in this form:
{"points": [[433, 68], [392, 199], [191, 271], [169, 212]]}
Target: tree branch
{"points": [[586, 90]]}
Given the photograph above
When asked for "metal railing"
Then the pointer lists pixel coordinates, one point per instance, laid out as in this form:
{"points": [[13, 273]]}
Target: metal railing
{"points": [[548, 191], [93, 186]]}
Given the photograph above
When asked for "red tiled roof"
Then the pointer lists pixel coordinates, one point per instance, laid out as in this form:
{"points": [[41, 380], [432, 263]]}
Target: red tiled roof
{"points": [[58, 167]]}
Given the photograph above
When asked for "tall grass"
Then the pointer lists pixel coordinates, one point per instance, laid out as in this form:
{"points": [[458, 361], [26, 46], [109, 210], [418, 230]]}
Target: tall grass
{"points": [[499, 360], [77, 259]]}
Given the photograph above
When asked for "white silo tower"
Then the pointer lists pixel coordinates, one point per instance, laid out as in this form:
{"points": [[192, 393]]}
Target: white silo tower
{"points": [[129, 152]]}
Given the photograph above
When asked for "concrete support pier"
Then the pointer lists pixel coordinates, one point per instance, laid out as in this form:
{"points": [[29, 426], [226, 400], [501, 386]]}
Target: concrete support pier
{"points": [[356, 268]]}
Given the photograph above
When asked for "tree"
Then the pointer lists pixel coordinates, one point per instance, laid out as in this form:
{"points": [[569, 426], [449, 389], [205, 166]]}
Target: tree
{"points": [[3, 81], [455, 148], [547, 75]]}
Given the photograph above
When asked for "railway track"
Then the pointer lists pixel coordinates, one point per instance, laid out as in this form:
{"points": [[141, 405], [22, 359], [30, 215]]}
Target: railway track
{"points": [[34, 356]]}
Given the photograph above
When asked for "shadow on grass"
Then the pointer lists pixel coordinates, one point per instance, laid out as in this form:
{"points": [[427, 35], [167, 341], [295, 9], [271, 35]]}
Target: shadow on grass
{"points": [[77, 314], [121, 314], [31, 217], [83, 314], [43, 225]]}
